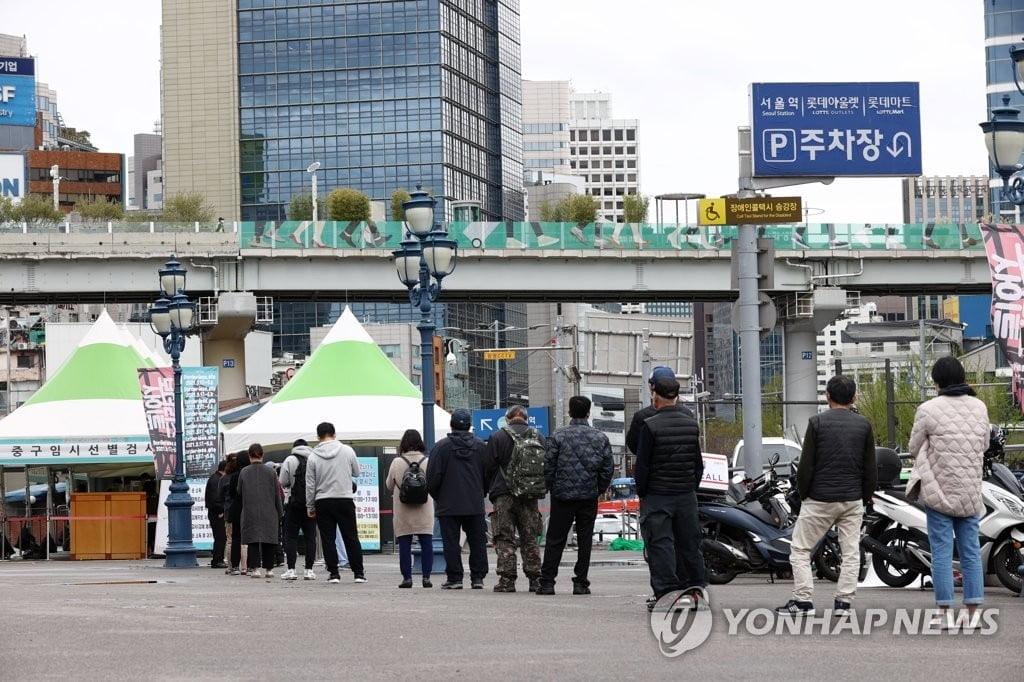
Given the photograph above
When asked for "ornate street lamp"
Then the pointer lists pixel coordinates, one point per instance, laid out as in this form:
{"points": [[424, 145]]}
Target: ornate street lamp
{"points": [[171, 318], [425, 257], [1004, 137]]}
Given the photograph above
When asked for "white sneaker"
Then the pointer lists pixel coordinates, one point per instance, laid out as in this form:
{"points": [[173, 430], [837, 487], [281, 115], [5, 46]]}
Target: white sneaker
{"points": [[256, 573], [513, 243], [269, 573], [545, 240], [359, 579], [310, 575], [289, 575]]}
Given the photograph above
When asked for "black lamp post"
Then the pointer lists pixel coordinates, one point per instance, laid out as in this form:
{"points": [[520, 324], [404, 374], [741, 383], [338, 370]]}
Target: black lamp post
{"points": [[425, 257], [171, 318], [1004, 137]]}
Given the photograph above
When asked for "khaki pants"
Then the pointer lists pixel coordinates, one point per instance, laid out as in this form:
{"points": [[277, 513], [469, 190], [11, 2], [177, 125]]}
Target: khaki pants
{"points": [[814, 521]]}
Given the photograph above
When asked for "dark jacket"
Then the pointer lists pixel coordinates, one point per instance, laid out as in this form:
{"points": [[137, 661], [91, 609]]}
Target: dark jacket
{"points": [[668, 460], [214, 505], [498, 454], [455, 477], [633, 435], [578, 464], [262, 506], [837, 460]]}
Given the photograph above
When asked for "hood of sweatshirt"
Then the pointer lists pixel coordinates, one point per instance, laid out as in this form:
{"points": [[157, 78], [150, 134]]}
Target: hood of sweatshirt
{"points": [[302, 451], [329, 449], [463, 444]]}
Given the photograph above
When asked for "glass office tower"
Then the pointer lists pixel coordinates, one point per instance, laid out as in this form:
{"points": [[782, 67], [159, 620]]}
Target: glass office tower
{"points": [[385, 95], [1004, 26]]}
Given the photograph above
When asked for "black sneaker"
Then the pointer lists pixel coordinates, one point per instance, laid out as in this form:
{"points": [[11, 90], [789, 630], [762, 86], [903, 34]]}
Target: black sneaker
{"points": [[546, 589], [580, 589], [427, 583], [504, 587], [534, 584], [477, 584], [451, 585], [841, 608], [796, 608]]}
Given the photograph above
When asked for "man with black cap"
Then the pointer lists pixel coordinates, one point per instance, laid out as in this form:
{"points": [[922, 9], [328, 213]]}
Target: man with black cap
{"points": [[455, 479], [633, 435], [668, 470]]}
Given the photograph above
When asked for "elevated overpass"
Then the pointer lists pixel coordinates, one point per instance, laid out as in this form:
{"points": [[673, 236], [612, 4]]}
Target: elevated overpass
{"points": [[337, 261]]}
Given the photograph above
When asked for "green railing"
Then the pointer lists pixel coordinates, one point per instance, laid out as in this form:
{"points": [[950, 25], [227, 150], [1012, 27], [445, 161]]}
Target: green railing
{"points": [[531, 236]]}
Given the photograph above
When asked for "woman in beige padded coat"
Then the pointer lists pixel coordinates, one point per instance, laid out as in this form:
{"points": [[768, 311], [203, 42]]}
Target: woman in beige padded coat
{"points": [[948, 441], [411, 519]]}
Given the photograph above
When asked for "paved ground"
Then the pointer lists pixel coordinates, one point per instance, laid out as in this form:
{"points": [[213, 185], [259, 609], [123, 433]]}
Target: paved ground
{"points": [[136, 620]]}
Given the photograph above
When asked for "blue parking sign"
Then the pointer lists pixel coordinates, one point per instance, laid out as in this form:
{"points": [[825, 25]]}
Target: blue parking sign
{"points": [[836, 129]]}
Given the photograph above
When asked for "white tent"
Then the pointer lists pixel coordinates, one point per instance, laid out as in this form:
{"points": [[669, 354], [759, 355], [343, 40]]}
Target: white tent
{"points": [[349, 382], [89, 411]]}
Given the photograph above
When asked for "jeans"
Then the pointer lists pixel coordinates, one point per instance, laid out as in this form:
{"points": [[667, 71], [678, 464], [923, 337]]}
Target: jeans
{"points": [[941, 532], [476, 536], [426, 541], [294, 521], [563, 514], [336, 513], [671, 530]]}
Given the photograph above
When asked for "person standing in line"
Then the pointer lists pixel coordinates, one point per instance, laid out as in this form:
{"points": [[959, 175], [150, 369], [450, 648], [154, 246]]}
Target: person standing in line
{"points": [[578, 467], [669, 468], [215, 514], [836, 478], [948, 441], [637, 423], [456, 482], [261, 513], [411, 519], [239, 557], [293, 482], [330, 490], [513, 515]]}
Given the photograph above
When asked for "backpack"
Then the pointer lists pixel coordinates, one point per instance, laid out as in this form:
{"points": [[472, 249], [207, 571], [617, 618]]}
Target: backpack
{"points": [[297, 498], [524, 475], [414, 483]]}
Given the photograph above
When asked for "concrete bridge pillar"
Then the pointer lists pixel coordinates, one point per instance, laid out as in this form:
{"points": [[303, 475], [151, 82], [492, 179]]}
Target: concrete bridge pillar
{"points": [[804, 315], [224, 343]]}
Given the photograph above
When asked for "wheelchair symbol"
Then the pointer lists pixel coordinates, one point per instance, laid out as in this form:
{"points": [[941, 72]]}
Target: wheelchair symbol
{"points": [[711, 215]]}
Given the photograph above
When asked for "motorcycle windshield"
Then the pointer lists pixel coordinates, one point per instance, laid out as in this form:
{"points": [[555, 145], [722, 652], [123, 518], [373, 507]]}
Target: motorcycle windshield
{"points": [[1005, 479]]}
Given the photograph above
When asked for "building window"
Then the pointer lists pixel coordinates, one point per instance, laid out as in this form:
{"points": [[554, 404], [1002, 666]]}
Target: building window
{"points": [[606, 136], [901, 346], [618, 138], [25, 361], [877, 347], [631, 135], [392, 350]]}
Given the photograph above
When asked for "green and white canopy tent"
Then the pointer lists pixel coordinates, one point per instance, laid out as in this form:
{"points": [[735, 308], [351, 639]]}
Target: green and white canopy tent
{"points": [[88, 412], [347, 381]]}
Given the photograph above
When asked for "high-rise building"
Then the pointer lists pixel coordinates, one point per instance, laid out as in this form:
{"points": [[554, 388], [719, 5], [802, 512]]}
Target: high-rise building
{"points": [[546, 119], [605, 151], [384, 95], [148, 149], [1004, 25]]}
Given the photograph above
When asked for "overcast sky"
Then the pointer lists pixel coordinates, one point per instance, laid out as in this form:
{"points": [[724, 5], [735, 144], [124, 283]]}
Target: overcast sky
{"points": [[681, 68]]}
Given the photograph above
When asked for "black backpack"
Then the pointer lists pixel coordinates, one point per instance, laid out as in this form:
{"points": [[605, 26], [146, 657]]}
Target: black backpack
{"points": [[414, 483], [297, 499]]}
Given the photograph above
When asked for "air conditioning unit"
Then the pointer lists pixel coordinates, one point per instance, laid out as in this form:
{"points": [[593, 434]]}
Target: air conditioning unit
{"points": [[22, 346]]}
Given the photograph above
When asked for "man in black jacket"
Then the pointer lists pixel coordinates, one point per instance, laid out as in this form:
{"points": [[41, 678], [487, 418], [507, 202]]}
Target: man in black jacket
{"points": [[578, 467], [668, 470], [637, 423], [455, 479], [215, 514], [836, 478], [513, 516]]}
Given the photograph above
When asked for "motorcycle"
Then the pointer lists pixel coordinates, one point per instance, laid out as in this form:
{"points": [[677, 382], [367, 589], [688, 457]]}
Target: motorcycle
{"points": [[896, 534], [752, 530]]}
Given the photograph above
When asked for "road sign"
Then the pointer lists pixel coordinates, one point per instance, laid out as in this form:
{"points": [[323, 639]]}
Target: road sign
{"points": [[755, 211], [486, 422], [499, 355], [836, 129]]}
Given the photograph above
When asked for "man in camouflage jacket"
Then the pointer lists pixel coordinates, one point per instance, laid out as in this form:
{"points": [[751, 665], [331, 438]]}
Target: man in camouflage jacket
{"points": [[578, 468]]}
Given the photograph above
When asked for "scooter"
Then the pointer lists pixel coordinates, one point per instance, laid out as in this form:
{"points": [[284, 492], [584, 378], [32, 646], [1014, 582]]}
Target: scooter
{"points": [[753, 531], [897, 533]]}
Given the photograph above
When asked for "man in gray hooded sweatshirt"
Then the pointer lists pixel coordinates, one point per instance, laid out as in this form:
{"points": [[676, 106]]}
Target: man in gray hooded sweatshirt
{"points": [[330, 492]]}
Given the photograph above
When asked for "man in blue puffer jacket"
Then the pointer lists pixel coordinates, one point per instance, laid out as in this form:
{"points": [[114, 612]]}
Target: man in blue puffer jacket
{"points": [[578, 467]]}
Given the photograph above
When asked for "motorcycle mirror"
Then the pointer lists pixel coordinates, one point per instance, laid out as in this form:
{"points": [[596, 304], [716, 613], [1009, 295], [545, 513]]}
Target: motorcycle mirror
{"points": [[774, 459]]}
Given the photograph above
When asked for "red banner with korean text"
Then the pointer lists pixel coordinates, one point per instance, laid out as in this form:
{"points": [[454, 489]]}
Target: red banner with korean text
{"points": [[158, 402], [1004, 245]]}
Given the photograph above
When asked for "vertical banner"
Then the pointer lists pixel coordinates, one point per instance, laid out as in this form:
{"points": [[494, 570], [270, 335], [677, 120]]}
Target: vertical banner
{"points": [[368, 502], [158, 402], [1004, 246], [199, 407]]}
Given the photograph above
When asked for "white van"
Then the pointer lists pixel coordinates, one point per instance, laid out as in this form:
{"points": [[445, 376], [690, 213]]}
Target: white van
{"points": [[786, 449]]}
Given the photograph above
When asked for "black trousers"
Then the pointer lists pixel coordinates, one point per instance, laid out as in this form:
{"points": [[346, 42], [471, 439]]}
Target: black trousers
{"points": [[671, 530], [236, 544], [261, 555], [563, 515], [220, 539], [295, 520], [476, 536], [332, 514]]}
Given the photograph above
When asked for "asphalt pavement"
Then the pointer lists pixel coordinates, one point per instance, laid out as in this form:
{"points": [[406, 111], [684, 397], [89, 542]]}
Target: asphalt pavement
{"points": [[121, 620]]}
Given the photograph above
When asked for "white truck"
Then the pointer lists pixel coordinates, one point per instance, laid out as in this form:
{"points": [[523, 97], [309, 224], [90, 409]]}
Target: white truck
{"points": [[786, 449]]}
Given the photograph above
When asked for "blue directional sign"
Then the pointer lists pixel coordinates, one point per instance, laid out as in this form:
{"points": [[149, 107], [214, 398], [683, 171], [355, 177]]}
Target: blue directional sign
{"points": [[486, 422], [836, 129]]}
